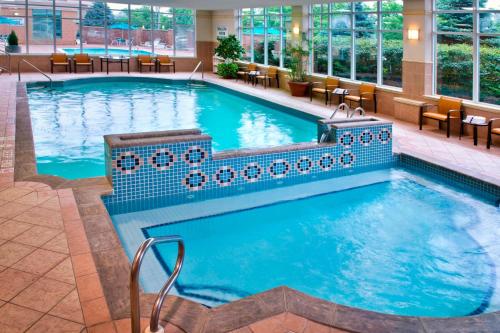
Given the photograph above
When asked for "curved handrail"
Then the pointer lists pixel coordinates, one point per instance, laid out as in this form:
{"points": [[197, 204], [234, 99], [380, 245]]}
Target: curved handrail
{"points": [[195, 69], [134, 283], [8, 68], [33, 66]]}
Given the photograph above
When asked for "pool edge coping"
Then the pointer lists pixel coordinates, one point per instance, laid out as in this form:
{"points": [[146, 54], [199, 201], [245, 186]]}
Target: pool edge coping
{"points": [[88, 192]]}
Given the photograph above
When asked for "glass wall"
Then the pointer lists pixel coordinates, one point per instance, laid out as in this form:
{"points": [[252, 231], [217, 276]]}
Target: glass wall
{"points": [[467, 49], [263, 33], [97, 27], [358, 40]]}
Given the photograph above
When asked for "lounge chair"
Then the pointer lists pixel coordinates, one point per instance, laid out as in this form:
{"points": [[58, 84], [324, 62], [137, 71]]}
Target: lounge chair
{"points": [[59, 59], [448, 108], [331, 83], [492, 131], [83, 59], [271, 74], [147, 61], [366, 94], [165, 61]]}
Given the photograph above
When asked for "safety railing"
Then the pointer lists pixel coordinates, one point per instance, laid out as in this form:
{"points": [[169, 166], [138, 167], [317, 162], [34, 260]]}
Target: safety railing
{"points": [[135, 310], [33, 66], [8, 68], [195, 69]]}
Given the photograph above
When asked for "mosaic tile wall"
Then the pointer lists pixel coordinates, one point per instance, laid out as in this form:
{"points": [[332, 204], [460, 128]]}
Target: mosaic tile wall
{"points": [[155, 175]]}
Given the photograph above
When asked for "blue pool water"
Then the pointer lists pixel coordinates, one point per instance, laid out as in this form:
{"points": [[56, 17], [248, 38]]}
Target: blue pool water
{"points": [[102, 51], [69, 121], [405, 246]]}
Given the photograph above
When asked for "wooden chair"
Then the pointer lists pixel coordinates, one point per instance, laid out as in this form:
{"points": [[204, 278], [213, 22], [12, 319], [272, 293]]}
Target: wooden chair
{"points": [[251, 68], [448, 108], [271, 74], [331, 83], [165, 61], [492, 131], [366, 94], [59, 59], [145, 61], [83, 59]]}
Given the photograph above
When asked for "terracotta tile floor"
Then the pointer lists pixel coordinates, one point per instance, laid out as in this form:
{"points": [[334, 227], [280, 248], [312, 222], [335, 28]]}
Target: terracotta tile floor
{"points": [[48, 279]]}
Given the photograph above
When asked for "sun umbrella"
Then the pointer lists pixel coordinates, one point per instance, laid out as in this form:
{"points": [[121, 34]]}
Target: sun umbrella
{"points": [[122, 26]]}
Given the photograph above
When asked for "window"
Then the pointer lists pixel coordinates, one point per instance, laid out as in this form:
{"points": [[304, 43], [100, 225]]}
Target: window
{"points": [[98, 27], [13, 19], [358, 40], [263, 33], [467, 49]]}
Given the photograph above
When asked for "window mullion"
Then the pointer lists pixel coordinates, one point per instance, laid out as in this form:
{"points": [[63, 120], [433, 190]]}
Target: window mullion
{"points": [[282, 28], [475, 55], [330, 63], [266, 56], [26, 20], [379, 45], [54, 25], [353, 44]]}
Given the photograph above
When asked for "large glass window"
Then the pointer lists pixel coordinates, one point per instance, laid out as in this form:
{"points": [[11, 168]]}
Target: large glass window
{"points": [[467, 49], [358, 40], [263, 33], [97, 27]]}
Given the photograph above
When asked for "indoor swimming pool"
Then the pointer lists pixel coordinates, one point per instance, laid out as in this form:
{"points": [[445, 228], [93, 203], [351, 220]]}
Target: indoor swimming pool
{"points": [[78, 113]]}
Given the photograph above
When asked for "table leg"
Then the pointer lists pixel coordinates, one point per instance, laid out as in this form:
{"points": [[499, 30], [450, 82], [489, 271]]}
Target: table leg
{"points": [[475, 135], [121, 65], [101, 63], [128, 66], [107, 67]]}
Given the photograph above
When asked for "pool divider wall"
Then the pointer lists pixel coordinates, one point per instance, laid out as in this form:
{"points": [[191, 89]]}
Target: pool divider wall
{"points": [[154, 169]]}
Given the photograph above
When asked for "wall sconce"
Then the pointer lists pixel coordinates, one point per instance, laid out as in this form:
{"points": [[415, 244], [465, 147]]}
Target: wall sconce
{"points": [[296, 30], [413, 34]]}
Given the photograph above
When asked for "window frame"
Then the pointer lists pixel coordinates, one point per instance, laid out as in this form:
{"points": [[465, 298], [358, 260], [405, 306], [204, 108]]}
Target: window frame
{"points": [[379, 31], [266, 14], [53, 7], [475, 35]]}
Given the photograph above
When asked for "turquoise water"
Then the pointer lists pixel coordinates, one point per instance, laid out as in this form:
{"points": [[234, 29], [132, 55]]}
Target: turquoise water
{"points": [[69, 121], [102, 51], [399, 247]]}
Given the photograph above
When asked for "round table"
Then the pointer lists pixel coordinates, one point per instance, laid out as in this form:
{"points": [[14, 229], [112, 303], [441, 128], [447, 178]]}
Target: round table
{"points": [[474, 131]]}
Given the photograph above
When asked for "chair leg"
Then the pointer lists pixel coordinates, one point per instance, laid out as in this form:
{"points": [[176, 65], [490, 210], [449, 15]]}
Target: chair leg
{"points": [[375, 103], [326, 97], [488, 140], [174, 68], [277, 82], [448, 128]]}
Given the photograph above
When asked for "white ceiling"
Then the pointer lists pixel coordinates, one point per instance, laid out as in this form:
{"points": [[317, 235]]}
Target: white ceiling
{"points": [[220, 4]]}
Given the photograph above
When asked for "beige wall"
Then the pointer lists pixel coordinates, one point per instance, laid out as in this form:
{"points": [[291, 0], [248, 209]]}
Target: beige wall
{"points": [[223, 18]]}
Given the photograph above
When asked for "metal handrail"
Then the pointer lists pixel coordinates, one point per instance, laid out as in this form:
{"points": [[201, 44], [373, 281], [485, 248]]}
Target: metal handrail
{"points": [[36, 68], [135, 310], [195, 69], [8, 68]]}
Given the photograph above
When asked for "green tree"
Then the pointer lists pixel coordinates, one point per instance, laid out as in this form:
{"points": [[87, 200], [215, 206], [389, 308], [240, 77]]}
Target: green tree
{"points": [[98, 14], [141, 17]]}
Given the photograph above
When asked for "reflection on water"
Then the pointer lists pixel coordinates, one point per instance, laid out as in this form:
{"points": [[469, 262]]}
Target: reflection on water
{"points": [[69, 122]]}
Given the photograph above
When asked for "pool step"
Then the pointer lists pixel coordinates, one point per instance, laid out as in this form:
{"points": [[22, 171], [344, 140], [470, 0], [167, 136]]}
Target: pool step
{"points": [[196, 85]]}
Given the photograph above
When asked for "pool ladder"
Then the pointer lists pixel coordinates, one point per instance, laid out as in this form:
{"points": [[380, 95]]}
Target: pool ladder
{"points": [[191, 82], [33, 66], [135, 309], [348, 112]]}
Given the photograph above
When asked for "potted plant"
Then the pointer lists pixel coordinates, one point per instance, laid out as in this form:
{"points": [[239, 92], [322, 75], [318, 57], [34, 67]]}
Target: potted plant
{"points": [[229, 49], [297, 78], [13, 43]]}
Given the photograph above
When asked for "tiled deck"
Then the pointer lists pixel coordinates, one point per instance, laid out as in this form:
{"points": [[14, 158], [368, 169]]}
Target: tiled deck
{"points": [[49, 281]]}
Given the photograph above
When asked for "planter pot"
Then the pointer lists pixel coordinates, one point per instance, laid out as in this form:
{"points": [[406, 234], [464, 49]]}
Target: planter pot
{"points": [[13, 49], [298, 89]]}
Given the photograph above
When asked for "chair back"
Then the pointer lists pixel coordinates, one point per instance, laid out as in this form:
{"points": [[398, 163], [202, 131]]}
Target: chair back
{"points": [[332, 82], [59, 57], [272, 71], [446, 104], [82, 58], [367, 90], [164, 59], [252, 67], [144, 58]]}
